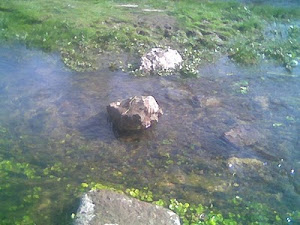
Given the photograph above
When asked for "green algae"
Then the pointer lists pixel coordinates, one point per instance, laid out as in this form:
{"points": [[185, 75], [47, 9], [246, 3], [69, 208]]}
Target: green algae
{"points": [[193, 214]]}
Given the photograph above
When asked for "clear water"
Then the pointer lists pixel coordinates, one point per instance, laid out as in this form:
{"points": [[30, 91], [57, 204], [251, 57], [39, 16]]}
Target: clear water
{"points": [[55, 121]]}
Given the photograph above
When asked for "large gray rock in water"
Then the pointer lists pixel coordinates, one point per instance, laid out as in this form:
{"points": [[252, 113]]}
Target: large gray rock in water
{"points": [[159, 59], [110, 208], [136, 113]]}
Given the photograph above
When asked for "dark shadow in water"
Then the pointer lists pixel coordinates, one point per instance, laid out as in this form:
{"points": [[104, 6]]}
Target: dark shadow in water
{"points": [[97, 127], [38, 121], [134, 136]]}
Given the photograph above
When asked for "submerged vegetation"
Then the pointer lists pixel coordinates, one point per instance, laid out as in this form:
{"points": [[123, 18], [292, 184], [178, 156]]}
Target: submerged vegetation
{"points": [[85, 31], [245, 212], [36, 197]]}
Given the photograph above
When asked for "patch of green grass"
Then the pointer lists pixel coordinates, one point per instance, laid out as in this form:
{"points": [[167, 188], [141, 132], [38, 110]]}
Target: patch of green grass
{"points": [[271, 12], [77, 29], [82, 31], [245, 51], [250, 50]]}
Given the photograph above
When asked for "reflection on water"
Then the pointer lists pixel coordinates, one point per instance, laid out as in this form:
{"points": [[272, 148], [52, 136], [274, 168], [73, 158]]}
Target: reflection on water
{"points": [[56, 121]]}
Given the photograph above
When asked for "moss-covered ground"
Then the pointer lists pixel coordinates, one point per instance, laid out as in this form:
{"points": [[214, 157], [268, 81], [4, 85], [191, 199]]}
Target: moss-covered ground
{"points": [[84, 31]]}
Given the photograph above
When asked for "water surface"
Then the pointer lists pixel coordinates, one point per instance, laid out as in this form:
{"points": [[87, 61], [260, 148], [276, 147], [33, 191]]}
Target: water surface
{"points": [[55, 121]]}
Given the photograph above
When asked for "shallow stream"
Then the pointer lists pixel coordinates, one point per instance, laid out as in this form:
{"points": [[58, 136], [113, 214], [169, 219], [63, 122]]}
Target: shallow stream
{"points": [[55, 133]]}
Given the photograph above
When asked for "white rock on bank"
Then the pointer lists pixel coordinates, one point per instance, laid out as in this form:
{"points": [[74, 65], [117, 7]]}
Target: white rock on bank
{"points": [[159, 59]]}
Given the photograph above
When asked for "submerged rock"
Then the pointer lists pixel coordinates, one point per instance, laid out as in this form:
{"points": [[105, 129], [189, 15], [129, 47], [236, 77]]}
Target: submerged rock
{"points": [[211, 102], [243, 135], [249, 168], [159, 59], [108, 207], [263, 101], [178, 95], [251, 164], [136, 113]]}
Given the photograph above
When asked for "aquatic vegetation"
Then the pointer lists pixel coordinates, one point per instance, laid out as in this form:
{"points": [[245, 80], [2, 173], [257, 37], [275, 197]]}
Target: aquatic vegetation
{"points": [[12, 177], [245, 212], [96, 186], [9, 168], [290, 118], [242, 86], [144, 195]]}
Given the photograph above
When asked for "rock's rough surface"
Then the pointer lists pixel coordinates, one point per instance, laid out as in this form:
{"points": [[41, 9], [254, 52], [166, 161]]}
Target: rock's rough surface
{"points": [[159, 59], [136, 113], [114, 208]]}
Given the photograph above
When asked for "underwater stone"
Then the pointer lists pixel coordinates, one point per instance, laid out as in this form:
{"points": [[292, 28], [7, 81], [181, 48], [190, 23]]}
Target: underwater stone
{"points": [[243, 135], [247, 168], [115, 208], [136, 113], [211, 102], [159, 59]]}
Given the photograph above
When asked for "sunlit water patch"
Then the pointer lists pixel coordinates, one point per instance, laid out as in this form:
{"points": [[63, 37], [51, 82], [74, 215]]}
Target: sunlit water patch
{"points": [[231, 134]]}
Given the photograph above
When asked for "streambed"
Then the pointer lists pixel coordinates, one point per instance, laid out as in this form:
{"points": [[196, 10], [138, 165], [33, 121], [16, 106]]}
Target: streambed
{"points": [[54, 121]]}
